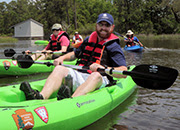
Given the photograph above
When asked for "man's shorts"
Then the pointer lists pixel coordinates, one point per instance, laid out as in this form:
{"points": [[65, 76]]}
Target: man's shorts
{"points": [[79, 78]]}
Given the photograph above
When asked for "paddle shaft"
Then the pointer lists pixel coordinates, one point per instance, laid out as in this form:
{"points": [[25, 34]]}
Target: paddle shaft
{"points": [[147, 76], [46, 52], [110, 71], [11, 52]]}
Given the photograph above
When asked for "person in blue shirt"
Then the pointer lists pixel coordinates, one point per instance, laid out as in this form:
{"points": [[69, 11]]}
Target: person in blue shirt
{"points": [[99, 50], [131, 40]]}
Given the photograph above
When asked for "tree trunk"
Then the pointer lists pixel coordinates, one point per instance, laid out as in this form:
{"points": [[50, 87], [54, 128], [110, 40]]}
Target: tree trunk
{"points": [[75, 17], [175, 15]]}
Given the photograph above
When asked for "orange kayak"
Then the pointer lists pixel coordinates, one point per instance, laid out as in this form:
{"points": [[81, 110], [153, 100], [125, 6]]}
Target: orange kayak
{"points": [[76, 45]]}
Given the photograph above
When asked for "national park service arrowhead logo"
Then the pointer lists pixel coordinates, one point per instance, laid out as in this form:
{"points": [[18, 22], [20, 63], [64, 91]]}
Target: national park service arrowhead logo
{"points": [[6, 64], [42, 113], [23, 119]]}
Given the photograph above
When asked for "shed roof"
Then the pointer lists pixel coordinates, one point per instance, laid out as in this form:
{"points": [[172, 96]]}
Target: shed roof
{"points": [[28, 20]]}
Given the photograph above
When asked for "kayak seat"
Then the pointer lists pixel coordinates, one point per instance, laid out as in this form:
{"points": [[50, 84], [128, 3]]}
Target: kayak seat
{"points": [[30, 94]]}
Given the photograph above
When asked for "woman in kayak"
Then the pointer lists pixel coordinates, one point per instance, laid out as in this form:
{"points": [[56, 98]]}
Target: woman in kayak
{"points": [[58, 42], [100, 50], [131, 40]]}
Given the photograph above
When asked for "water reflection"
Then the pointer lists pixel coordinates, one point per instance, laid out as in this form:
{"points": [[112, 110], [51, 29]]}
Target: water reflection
{"points": [[133, 58], [20, 46]]}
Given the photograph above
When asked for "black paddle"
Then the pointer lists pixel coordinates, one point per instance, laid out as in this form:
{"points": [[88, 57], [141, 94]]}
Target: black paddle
{"points": [[11, 52], [148, 76]]}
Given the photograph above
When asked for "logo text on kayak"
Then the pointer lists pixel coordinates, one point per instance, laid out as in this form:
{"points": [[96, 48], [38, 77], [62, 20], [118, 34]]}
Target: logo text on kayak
{"points": [[84, 103]]}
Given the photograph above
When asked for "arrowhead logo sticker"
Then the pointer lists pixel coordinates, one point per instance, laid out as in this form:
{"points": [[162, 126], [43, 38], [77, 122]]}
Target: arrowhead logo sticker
{"points": [[23, 119], [6, 64], [42, 113]]}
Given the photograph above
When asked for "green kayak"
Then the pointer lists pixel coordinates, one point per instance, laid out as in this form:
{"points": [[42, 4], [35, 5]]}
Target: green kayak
{"points": [[10, 67], [67, 114], [41, 42]]}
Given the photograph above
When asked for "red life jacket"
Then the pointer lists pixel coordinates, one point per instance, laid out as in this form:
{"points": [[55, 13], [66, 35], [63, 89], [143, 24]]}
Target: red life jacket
{"points": [[93, 51], [131, 43], [55, 44], [77, 37]]}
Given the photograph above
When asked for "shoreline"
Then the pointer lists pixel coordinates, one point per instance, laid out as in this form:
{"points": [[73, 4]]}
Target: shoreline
{"points": [[4, 39]]}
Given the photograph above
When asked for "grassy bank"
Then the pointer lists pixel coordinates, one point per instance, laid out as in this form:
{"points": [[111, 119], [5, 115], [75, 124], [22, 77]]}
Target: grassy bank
{"points": [[152, 37], [159, 37], [7, 39]]}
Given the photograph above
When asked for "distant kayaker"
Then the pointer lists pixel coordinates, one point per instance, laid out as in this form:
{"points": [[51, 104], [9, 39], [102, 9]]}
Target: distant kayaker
{"points": [[131, 40], [99, 50], [58, 42], [77, 38]]}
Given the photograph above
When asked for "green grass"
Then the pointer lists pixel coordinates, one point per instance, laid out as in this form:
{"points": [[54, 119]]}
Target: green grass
{"points": [[7, 39], [159, 37]]}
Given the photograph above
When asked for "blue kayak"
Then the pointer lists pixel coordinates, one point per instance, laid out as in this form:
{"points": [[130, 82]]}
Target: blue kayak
{"points": [[136, 48]]}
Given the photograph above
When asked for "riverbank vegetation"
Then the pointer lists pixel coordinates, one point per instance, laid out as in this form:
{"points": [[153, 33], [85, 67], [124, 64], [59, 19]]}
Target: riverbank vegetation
{"points": [[141, 16], [7, 39]]}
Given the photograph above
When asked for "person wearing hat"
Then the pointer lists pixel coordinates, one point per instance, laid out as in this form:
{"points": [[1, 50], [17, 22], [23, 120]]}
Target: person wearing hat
{"points": [[99, 50], [131, 40], [58, 42], [77, 38]]}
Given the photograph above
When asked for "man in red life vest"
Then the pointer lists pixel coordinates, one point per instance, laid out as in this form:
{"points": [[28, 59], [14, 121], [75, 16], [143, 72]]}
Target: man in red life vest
{"points": [[131, 40], [58, 42], [100, 50]]}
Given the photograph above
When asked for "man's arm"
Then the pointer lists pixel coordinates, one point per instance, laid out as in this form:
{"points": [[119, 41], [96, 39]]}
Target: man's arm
{"points": [[67, 57]]}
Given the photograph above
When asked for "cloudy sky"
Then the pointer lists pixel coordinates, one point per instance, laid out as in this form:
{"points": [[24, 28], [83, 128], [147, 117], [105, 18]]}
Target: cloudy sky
{"points": [[7, 1]]}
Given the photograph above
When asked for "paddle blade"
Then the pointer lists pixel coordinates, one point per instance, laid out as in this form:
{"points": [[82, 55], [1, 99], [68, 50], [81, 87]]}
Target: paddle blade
{"points": [[24, 61], [154, 76], [9, 52]]}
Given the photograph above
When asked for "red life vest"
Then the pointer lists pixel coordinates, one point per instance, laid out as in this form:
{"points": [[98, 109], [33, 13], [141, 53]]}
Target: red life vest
{"points": [[55, 44], [93, 51], [131, 43], [77, 37]]}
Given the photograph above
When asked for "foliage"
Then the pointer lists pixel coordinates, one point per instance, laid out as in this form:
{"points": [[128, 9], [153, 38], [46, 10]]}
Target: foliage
{"points": [[142, 16]]}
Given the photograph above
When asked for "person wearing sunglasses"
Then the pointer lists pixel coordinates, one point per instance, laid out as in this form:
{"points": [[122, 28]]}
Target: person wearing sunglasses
{"points": [[99, 50], [58, 42], [131, 40]]}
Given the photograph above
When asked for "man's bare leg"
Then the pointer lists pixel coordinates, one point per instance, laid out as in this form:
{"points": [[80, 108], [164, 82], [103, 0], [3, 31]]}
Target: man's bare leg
{"points": [[93, 81], [54, 81]]}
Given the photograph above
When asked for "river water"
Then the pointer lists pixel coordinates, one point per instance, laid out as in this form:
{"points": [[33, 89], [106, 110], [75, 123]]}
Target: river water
{"points": [[145, 109]]}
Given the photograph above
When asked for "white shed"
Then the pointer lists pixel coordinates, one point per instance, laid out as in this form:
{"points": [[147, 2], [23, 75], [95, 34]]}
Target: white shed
{"points": [[29, 29]]}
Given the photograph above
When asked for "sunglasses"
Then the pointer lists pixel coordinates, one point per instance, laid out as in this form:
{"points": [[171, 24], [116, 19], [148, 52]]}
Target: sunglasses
{"points": [[106, 25], [55, 29]]}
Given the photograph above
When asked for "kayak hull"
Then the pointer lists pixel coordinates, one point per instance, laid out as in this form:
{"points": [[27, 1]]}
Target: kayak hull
{"points": [[70, 113], [135, 48], [10, 67], [41, 42], [76, 45]]}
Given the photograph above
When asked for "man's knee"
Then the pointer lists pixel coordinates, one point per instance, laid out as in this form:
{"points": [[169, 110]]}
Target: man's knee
{"points": [[60, 69], [96, 76]]}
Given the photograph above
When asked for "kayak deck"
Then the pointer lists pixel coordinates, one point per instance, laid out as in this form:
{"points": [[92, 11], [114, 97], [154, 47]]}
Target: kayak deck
{"points": [[70, 113], [136, 48]]}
